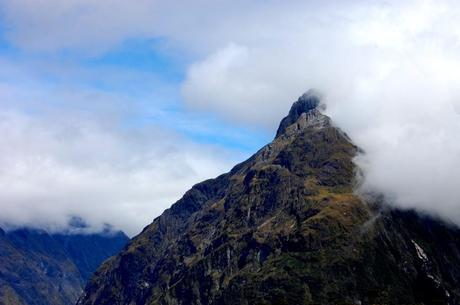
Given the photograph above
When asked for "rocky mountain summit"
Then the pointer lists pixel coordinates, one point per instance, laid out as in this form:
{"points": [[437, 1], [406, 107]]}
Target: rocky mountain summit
{"points": [[307, 104], [40, 268], [285, 227]]}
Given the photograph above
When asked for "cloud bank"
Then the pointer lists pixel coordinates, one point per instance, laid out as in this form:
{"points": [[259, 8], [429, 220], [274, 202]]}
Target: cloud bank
{"points": [[388, 70], [70, 150], [53, 169]]}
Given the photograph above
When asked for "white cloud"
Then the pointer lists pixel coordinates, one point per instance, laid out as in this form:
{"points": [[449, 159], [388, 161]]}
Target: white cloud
{"points": [[87, 25], [73, 151], [51, 171], [220, 83], [390, 76], [388, 69]]}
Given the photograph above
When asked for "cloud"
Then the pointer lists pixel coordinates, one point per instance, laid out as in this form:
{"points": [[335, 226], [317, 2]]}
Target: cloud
{"points": [[53, 169], [220, 83], [388, 70], [94, 27], [72, 150], [389, 73], [105, 144], [86, 25]]}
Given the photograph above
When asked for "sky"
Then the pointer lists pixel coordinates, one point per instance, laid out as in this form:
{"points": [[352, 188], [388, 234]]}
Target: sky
{"points": [[111, 109]]}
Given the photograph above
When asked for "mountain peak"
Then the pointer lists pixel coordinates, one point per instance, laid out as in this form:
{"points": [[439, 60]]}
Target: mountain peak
{"points": [[308, 103], [285, 227]]}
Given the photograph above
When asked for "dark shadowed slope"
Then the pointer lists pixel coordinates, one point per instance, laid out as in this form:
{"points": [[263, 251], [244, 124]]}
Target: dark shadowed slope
{"points": [[46, 269], [285, 227], [88, 251]]}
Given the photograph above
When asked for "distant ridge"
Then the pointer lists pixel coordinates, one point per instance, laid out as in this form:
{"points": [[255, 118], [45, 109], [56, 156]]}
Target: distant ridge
{"points": [[40, 268]]}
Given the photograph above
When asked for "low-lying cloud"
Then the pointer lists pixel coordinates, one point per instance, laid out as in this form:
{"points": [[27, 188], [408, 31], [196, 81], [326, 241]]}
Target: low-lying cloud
{"points": [[56, 168]]}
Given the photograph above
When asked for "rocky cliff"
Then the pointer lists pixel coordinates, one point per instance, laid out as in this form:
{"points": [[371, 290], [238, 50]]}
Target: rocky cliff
{"points": [[285, 227]]}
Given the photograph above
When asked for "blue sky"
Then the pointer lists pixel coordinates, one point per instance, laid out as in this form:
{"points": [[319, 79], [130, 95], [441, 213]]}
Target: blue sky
{"points": [[144, 59]]}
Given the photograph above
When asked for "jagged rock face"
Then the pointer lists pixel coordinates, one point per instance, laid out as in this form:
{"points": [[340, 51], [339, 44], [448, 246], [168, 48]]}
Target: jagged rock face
{"points": [[307, 103], [37, 268], [285, 227]]}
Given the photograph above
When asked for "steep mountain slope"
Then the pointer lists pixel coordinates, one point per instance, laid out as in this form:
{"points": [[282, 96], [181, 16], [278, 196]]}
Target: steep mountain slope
{"points": [[285, 227], [41, 268]]}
